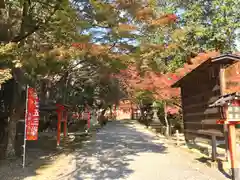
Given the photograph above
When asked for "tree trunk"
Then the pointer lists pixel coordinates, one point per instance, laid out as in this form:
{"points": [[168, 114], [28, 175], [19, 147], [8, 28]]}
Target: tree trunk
{"points": [[65, 86], [10, 152], [15, 114], [24, 20], [166, 120], [111, 112], [102, 118], [103, 111], [2, 4], [3, 138], [142, 115]]}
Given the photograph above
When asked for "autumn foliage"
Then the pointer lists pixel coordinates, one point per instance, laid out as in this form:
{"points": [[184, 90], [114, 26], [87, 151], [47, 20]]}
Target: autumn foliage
{"points": [[159, 83], [166, 19]]}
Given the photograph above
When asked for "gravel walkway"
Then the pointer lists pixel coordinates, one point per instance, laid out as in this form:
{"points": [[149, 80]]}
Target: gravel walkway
{"points": [[127, 151]]}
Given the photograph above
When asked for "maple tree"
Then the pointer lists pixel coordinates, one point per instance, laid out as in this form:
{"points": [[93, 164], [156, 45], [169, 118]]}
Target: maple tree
{"points": [[159, 84], [56, 42], [29, 33], [83, 48]]}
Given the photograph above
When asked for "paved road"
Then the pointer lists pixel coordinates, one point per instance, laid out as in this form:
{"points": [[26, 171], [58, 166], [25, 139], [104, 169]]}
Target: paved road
{"points": [[127, 151]]}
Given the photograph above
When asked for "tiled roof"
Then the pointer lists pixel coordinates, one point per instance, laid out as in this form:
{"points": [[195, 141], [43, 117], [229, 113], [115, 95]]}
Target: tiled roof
{"points": [[199, 60]]}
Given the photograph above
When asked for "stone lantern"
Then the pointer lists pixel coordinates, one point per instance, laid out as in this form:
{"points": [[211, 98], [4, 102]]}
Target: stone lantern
{"points": [[155, 118]]}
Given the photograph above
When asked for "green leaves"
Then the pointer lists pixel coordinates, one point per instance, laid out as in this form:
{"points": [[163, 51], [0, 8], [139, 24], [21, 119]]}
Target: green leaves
{"points": [[144, 97], [213, 22]]}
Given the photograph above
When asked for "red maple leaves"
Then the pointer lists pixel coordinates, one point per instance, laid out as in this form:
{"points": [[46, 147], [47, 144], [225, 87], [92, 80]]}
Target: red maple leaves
{"points": [[159, 83], [166, 19]]}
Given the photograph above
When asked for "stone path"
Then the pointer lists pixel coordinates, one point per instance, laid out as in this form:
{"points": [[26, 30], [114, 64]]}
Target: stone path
{"points": [[128, 151]]}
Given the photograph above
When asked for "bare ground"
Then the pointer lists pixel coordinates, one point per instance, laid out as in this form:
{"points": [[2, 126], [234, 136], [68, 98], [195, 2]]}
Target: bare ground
{"points": [[121, 150], [39, 155]]}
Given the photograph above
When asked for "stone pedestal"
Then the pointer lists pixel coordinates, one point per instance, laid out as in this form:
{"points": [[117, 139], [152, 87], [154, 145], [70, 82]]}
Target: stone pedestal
{"points": [[155, 123], [155, 118]]}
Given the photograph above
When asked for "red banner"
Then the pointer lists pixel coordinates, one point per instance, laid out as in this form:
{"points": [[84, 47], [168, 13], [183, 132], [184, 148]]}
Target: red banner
{"points": [[32, 116]]}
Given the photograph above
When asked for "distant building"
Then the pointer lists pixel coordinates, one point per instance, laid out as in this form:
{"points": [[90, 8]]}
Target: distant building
{"points": [[125, 109]]}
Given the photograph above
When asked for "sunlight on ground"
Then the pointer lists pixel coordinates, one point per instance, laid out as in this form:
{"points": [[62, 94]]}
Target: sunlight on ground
{"points": [[126, 151], [46, 171]]}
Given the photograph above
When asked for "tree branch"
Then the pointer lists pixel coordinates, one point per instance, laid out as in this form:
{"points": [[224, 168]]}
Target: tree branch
{"points": [[2, 4], [22, 35], [113, 45]]}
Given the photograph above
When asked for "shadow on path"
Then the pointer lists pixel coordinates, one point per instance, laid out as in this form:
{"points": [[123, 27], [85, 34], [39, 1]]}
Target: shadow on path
{"points": [[208, 162], [108, 155], [39, 154]]}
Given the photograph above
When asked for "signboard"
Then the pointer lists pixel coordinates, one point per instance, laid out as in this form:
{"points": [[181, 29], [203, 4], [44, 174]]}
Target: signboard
{"points": [[234, 111], [32, 116], [232, 78]]}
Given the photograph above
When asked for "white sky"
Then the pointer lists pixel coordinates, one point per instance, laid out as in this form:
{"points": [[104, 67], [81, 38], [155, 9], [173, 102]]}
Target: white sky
{"points": [[238, 41]]}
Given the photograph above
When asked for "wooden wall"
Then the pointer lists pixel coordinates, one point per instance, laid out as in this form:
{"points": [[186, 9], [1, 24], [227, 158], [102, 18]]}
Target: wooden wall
{"points": [[201, 88]]}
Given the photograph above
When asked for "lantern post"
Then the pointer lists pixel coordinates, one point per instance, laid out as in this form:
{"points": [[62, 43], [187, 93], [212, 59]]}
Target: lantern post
{"points": [[231, 106], [233, 118]]}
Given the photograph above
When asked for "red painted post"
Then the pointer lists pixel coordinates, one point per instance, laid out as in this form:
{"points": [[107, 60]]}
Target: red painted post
{"points": [[232, 149], [65, 124], [60, 109], [89, 118], [59, 113]]}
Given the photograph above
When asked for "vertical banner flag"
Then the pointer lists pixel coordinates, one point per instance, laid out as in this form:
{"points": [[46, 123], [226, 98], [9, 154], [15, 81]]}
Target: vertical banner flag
{"points": [[32, 116]]}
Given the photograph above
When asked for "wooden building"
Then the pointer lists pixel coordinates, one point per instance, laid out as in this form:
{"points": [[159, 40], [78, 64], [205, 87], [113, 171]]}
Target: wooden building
{"points": [[211, 79]]}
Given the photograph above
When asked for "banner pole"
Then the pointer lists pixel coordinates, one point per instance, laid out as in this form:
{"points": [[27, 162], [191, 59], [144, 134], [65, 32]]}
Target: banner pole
{"points": [[25, 129]]}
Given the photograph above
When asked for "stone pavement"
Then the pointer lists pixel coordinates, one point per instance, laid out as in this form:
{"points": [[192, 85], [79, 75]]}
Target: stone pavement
{"points": [[125, 150]]}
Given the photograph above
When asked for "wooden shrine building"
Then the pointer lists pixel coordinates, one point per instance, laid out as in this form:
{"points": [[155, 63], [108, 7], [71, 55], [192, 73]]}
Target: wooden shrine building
{"points": [[211, 79]]}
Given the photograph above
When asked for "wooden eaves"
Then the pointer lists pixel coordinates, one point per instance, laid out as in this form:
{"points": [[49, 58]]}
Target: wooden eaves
{"points": [[224, 59], [225, 99]]}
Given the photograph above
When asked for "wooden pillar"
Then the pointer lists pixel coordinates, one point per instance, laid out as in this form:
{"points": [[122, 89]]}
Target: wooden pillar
{"points": [[214, 149], [225, 126], [59, 113], [232, 149], [65, 124]]}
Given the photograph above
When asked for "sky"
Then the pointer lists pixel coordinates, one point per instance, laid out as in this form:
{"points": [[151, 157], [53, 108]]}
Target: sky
{"points": [[238, 45], [238, 41], [100, 32]]}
